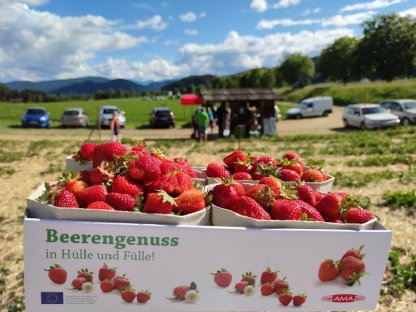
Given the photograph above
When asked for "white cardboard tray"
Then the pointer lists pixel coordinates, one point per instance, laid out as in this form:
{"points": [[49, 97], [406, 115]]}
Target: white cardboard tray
{"points": [[74, 165]]}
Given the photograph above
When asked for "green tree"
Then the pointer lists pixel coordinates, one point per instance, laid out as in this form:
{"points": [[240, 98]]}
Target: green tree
{"points": [[268, 79], [297, 67], [337, 61], [388, 48]]}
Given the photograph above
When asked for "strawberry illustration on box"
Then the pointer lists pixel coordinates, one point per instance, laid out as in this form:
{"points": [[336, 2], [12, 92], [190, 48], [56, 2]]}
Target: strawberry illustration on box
{"points": [[186, 293]]}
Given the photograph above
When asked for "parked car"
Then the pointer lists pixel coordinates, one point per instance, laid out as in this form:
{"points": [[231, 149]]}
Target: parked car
{"points": [[106, 114], [405, 109], [162, 117], [36, 117], [312, 107], [368, 116], [74, 117]]}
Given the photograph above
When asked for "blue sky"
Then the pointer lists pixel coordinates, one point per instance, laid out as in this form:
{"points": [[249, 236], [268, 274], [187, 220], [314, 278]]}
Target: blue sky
{"points": [[157, 40]]}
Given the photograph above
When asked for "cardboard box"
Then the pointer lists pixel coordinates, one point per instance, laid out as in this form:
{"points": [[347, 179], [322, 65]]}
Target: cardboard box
{"points": [[74, 165], [160, 257]]}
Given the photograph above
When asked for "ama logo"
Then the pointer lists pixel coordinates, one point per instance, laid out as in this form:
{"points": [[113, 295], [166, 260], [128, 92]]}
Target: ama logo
{"points": [[52, 297], [343, 298]]}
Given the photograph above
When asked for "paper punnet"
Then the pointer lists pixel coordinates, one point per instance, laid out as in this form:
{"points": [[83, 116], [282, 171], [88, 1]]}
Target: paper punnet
{"points": [[73, 164]]}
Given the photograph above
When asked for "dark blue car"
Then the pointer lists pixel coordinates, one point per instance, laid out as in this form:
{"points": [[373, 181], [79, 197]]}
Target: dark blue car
{"points": [[36, 117]]}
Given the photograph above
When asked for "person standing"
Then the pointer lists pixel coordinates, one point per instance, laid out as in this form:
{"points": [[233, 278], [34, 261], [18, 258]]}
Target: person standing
{"points": [[115, 128], [203, 122]]}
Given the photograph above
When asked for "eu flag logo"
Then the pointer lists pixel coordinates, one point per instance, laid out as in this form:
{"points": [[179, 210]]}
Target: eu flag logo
{"points": [[52, 297]]}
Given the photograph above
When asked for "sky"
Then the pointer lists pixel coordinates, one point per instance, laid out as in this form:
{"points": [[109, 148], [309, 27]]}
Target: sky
{"points": [[152, 40]]}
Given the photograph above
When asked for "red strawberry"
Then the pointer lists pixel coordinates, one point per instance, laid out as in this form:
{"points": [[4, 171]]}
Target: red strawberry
{"points": [[329, 205], [216, 170], [273, 183], [242, 176], [263, 166], [92, 194], [329, 270], [160, 202], [226, 194], [123, 202], [234, 157], [143, 296], [126, 185], [358, 215], [243, 166], [249, 277], [292, 165], [293, 155], [78, 282], [139, 150], [286, 209], [268, 276], [65, 199], [86, 151], [84, 175], [106, 286], [85, 273], [174, 183], [222, 278], [263, 195], [307, 194], [285, 298], [240, 286], [298, 300], [266, 289], [280, 286], [121, 282], [107, 151], [57, 274], [106, 273], [312, 175], [145, 169], [248, 207], [352, 269], [311, 212], [355, 253], [190, 201], [100, 205], [128, 294], [101, 174], [288, 175], [179, 292]]}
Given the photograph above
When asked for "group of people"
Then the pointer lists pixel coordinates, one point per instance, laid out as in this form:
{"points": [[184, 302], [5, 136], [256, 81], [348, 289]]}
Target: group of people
{"points": [[205, 118]]}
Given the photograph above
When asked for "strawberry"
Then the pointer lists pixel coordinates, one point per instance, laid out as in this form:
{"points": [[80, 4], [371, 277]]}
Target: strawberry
{"points": [[242, 176], [288, 175], [100, 205], [216, 170], [86, 151], [311, 212], [249, 277], [280, 286], [354, 252], [231, 159], [139, 150], [292, 165], [190, 201], [65, 199], [106, 286], [285, 298], [78, 282], [126, 185], [358, 215], [263, 166], [84, 175], [128, 294], [222, 278], [106, 273], [57, 274], [123, 202], [240, 286], [226, 194], [160, 202], [85, 273], [293, 155], [72, 182], [273, 183], [107, 152], [174, 183], [120, 282], [243, 166], [143, 296], [352, 269], [329, 205], [102, 173], [263, 195], [179, 292], [298, 300], [286, 209], [268, 276], [266, 289], [145, 169], [312, 175], [329, 270], [92, 194], [248, 207], [307, 194]]}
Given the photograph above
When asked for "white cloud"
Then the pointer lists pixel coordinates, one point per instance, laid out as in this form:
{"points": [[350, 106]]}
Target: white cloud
{"points": [[282, 4], [191, 32], [36, 45], [411, 12], [311, 11], [258, 5], [156, 23], [28, 2], [188, 17], [371, 5], [337, 20], [202, 15]]}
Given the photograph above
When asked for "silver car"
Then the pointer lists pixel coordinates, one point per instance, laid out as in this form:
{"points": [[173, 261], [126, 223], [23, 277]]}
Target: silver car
{"points": [[106, 114], [368, 116], [405, 109], [75, 117]]}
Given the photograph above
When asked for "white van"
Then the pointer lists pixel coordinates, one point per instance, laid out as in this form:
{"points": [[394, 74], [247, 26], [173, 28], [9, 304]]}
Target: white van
{"points": [[312, 107]]}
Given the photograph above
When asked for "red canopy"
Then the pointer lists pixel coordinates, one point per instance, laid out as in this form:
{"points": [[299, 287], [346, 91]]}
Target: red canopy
{"points": [[191, 99]]}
